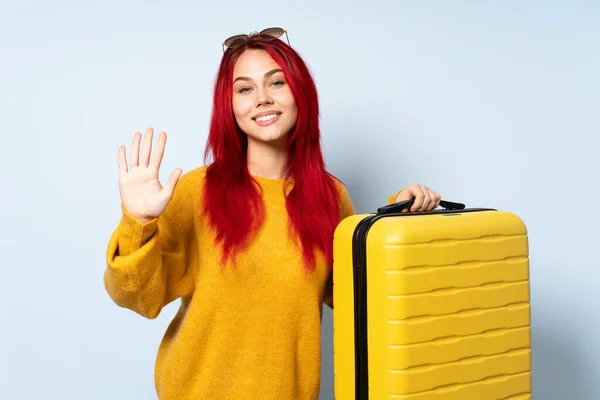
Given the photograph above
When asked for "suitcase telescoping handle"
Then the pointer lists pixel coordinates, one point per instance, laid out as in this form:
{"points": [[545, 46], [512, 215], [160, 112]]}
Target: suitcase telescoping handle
{"points": [[398, 207]]}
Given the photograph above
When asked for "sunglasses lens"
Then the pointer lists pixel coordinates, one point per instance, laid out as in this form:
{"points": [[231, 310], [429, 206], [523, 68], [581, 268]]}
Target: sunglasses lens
{"points": [[272, 33], [236, 40]]}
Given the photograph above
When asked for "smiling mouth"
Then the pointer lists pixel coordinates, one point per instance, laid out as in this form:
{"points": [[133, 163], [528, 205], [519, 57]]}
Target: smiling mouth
{"points": [[267, 118]]}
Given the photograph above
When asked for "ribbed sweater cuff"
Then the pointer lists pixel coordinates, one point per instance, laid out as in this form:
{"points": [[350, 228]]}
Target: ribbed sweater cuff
{"points": [[133, 233]]}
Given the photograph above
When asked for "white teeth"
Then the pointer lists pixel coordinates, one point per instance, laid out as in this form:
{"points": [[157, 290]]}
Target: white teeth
{"points": [[266, 118]]}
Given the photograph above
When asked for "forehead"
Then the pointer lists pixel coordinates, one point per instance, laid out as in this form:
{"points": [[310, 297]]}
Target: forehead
{"points": [[254, 63]]}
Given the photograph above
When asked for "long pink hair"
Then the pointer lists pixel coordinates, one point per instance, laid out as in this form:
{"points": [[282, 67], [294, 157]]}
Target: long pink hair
{"points": [[232, 201]]}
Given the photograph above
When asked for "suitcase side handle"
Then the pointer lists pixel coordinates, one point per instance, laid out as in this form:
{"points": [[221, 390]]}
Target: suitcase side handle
{"points": [[398, 207]]}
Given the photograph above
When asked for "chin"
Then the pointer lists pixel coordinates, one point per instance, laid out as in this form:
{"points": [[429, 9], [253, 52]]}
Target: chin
{"points": [[275, 134], [266, 136], [270, 139]]}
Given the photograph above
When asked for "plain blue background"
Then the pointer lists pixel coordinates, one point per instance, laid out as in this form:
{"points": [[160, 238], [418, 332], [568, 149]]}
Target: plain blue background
{"points": [[495, 104]]}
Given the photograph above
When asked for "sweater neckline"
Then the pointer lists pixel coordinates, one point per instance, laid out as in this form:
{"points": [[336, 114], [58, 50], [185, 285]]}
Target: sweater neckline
{"points": [[272, 184]]}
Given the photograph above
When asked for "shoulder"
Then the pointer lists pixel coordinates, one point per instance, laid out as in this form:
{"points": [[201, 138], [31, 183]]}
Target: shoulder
{"points": [[192, 178], [339, 185], [186, 195], [190, 184], [345, 202]]}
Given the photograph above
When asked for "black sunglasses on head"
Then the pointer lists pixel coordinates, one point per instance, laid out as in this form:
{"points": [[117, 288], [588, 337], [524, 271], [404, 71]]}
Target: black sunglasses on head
{"points": [[269, 33]]}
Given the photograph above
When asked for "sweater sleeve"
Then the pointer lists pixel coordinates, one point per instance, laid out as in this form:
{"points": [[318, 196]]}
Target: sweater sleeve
{"points": [[147, 263]]}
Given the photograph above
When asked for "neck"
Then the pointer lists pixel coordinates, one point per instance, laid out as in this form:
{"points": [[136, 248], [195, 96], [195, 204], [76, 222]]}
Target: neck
{"points": [[267, 160]]}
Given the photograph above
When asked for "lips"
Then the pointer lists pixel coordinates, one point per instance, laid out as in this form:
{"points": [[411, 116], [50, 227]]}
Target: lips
{"points": [[267, 119]]}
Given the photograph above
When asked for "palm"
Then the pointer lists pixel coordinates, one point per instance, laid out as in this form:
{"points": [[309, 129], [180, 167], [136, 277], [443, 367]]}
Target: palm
{"points": [[142, 194]]}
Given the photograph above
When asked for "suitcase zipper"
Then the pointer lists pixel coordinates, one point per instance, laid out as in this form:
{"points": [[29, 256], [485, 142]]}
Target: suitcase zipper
{"points": [[359, 250]]}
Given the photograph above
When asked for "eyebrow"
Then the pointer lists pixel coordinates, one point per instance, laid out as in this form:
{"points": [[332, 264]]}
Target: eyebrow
{"points": [[268, 74]]}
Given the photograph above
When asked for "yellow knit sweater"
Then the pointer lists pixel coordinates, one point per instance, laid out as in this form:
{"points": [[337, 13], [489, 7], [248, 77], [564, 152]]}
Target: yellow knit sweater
{"points": [[252, 332]]}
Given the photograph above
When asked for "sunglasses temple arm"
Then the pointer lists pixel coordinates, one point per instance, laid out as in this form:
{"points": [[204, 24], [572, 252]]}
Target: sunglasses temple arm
{"points": [[288, 39]]}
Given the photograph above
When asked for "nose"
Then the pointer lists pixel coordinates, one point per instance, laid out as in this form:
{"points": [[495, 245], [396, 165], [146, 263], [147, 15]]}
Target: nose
{"points": [[263, 98]]}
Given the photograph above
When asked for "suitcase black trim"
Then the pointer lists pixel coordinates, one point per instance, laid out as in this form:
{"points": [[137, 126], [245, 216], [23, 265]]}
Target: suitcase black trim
{"points": [[359, 261]]}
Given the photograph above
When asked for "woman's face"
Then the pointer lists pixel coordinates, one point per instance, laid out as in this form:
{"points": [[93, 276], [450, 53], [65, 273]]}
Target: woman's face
{"points": [[263, 104]]}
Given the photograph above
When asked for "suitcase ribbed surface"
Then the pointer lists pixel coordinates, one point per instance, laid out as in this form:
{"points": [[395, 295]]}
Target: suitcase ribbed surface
{"points": [[457, 311], [448, 310]]}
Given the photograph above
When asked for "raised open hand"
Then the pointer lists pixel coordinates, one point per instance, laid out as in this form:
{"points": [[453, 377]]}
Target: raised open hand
{"points": [[142, 195]]}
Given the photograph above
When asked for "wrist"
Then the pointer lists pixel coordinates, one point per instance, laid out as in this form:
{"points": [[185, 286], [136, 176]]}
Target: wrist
{"points": [[139, 218]]}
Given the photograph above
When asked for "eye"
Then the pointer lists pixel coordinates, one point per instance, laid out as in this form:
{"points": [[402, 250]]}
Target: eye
{"points": [[277, 83], [243, 90]]}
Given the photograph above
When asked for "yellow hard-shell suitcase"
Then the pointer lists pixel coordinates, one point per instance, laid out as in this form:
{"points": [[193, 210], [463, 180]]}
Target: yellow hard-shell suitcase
{"points": [[432, 305]]}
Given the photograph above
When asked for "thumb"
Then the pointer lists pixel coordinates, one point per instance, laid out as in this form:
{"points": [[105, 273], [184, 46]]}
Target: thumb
{"points": [[169, 188]]}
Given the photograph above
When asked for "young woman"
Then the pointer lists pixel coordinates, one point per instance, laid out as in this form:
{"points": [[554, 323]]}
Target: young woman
{"points": [[245, 242]]}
